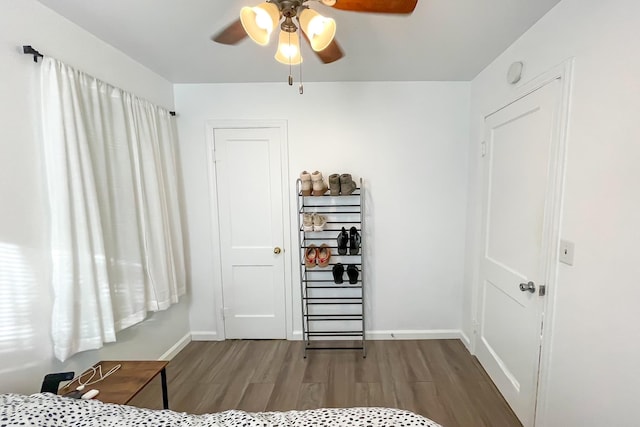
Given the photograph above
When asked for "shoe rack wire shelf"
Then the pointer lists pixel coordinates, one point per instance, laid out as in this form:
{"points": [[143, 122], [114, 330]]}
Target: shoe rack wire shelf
{"points": [[332, 313]]}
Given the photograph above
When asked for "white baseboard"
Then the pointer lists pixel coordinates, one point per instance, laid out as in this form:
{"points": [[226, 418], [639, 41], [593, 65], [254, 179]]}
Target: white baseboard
{"points": [[205, 336], [466, 341], [430, 334], [176, 348]]}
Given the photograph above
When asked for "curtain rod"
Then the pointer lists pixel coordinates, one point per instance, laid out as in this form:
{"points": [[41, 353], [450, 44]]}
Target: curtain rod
{"points": [[29, 50]]}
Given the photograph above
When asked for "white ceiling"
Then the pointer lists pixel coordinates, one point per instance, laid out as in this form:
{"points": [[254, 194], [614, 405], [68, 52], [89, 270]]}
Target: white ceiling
{"points": [[441, 40]]}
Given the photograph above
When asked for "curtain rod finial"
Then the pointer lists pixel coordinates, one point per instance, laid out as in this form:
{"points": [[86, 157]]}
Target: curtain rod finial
{"points": [[29, 50]]}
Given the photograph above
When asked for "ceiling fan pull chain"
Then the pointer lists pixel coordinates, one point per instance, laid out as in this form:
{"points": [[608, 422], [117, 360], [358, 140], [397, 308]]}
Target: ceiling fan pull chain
{"points": [[301, 87], [290, 73]]}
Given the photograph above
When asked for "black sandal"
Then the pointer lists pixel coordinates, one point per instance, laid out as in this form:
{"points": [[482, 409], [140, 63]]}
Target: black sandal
{"points": [[352, 272], [343, 241], [354, 241], [338, 271]]}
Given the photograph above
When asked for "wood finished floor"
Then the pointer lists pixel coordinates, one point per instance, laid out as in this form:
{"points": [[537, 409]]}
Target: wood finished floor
{"points": [[435, 378]]}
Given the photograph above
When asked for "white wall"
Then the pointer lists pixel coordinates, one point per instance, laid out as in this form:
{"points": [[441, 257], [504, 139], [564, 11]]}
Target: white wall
{"points": [[594, 371], [25, 295], [407, 140]]}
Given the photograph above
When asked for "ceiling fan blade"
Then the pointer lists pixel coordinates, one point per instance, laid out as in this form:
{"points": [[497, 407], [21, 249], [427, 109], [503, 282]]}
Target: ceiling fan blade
{"points": [[233, 34], [377, 6], [329, 54]]}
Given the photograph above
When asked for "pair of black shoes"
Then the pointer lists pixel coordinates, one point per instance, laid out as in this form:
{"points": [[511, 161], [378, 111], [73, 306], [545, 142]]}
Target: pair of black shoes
{"points": [[352, 273], [351, 240]]}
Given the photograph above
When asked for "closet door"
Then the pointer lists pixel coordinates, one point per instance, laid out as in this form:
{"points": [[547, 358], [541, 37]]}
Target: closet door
{"points": [[248, 172], [519, 169]]}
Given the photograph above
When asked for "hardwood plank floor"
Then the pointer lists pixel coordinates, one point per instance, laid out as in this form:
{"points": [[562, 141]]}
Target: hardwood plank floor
{"points": [[435, 378]]}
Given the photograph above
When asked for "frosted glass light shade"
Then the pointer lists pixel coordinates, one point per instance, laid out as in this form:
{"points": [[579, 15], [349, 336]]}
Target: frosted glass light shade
{"points": [[288, 48], [260, 21], [319, 29]]}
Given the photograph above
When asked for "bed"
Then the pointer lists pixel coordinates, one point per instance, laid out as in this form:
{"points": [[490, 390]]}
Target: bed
{"points": [[46, 409]]}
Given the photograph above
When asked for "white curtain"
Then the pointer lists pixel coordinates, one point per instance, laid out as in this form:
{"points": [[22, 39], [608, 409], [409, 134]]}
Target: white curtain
{"points": [[117, 248]]}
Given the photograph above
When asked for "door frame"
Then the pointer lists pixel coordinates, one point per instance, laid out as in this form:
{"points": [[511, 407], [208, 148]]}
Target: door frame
{"points": [[281, 125], [553, 216]]}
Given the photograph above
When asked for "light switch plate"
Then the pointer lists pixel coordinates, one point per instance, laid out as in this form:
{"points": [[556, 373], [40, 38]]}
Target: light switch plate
{"points": [[566, 252]]}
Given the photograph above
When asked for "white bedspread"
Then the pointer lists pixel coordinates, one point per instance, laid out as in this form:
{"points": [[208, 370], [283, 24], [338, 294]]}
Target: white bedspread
{"points": [[44, 409]]}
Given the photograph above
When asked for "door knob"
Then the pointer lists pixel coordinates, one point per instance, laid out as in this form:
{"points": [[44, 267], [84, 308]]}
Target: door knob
{"points": [[528, 287], [277, 250]]}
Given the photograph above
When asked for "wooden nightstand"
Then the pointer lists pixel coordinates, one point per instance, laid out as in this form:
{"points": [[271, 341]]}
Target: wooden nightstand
{"points": [[121, 386]]}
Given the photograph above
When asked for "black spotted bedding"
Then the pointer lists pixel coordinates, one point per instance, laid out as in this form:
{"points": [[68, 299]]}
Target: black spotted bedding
{"points": [[44, 409]]}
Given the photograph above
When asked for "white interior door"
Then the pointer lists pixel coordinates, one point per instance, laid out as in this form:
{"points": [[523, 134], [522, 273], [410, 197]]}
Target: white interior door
{"points": [[518, 185], [250, 211]]}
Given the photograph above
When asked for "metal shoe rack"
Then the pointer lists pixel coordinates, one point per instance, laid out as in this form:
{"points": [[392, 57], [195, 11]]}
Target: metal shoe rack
{"points": [[332, 314]]}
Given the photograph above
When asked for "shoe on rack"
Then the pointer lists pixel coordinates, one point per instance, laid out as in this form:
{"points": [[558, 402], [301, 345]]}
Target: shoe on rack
{"points": [[319, 187], [324, 255], [307, 221], [343, 242], [334, 184], [310, 256], [305, 178], [352, 272], [338, 271], [319, 221], [347, 186], [354, 241]]}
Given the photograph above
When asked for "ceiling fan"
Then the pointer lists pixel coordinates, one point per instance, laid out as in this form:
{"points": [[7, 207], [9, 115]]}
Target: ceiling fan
{"points": [[260, 21]]}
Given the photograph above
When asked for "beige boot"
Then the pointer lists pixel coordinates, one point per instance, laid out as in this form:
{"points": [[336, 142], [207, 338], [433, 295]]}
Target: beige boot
{"points": [[319, 187], [334, 184], [347, 185], [305, 177]]}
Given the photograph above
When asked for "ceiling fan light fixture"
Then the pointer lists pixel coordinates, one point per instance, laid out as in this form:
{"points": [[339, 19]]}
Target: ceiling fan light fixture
{"points": [[320, 30], [288, 52], [260, 21]]}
